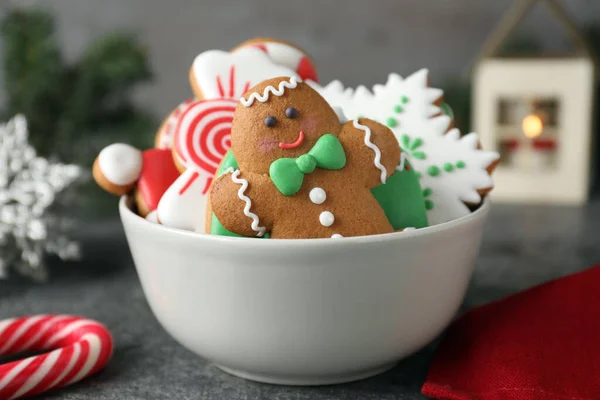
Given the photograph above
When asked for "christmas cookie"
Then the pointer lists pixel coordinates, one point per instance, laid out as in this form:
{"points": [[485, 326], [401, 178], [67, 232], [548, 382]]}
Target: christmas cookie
{"points": [[164, 136], [219, 74], [201, 138], [284, 53], [454, 172], [302, 174], [120, 169]]}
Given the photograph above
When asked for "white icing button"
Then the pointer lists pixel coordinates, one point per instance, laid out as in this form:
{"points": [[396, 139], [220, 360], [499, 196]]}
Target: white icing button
{"points": [[336, 236], [120, 163], [317, 196], [326, 218]]}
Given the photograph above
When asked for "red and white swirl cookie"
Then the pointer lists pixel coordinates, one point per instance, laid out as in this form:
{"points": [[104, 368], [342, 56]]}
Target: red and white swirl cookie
{"points": [[217, 74], [164, 136], [200, 141], [284, 53]]}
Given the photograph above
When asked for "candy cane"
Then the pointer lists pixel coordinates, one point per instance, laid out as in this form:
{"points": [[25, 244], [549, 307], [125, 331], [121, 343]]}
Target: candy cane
{"points": [[80, 347]]}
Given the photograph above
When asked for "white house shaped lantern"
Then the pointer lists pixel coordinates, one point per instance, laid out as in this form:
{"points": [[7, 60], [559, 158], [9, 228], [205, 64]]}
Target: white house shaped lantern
{"points": [[537, 113]]}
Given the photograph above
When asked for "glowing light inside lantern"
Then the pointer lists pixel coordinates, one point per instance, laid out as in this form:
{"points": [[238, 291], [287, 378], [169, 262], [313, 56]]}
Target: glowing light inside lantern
{"points": [[532, 126]]}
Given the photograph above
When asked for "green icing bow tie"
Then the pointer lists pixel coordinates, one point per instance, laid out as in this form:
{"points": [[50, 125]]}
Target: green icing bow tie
{"points": [[288, 173]]}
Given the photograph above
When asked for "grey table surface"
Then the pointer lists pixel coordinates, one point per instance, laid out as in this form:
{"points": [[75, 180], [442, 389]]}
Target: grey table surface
{"points": [[523, 246]]}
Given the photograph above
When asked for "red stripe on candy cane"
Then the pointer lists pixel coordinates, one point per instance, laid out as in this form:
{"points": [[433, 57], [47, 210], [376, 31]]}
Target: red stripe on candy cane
{"points": [[80, 347]]}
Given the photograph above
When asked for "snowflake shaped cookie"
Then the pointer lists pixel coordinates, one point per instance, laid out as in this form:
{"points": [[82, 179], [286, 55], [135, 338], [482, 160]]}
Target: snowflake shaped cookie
{"points": [[453, 170]]}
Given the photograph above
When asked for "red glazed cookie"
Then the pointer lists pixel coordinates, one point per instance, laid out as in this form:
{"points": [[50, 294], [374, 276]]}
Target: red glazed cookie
{"points": [[302, 173], [284, 53], [120, 168]]}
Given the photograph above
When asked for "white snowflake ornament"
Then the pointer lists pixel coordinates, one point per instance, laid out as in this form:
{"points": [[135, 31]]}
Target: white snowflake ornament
{"points": [[28, 187], [452, 168]]}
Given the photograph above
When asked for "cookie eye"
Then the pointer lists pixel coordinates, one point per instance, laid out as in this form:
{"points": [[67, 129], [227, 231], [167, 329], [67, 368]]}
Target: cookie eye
{"points": [[270, 121], [291, 112]]}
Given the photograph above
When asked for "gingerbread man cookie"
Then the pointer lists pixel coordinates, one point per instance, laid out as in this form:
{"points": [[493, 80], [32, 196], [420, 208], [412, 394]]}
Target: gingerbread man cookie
{"points": [[302, 174], [454, 172], [120, 169]]}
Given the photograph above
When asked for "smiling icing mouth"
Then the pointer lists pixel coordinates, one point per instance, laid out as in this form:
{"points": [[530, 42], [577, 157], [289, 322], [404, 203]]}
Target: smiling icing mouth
{"points": [[293, 145]]}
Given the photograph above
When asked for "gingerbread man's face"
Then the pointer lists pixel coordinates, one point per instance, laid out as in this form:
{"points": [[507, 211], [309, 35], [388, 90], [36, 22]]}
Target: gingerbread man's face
{"points": [[279, 118]]}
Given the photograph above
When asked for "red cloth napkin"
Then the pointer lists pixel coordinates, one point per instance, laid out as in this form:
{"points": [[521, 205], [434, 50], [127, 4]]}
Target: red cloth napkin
{"points": [[541, 344]]}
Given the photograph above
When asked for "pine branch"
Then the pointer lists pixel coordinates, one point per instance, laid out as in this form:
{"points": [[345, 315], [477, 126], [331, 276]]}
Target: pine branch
{"points": [[33, 72], [103, 80]]}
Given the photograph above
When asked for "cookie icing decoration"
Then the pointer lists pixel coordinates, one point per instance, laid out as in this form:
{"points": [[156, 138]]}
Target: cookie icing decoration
{"points": [[292, 84], [286, 54], [202, 134], [120, 163], [326, 218], [435, 149], [317, 196], [157, 175], [332, 158], [120, 169], [288, 173], [218, 74], [336, 236], [373, 147], [235, 177], [164, 136], [200, 141]]}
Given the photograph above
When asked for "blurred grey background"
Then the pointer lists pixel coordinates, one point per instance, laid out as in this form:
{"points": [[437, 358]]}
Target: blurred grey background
{"points": [[358, 42]]}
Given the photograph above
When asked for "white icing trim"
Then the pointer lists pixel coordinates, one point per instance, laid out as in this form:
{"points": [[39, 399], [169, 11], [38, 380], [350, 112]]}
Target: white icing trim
{"points": [[292, 84], [120, 163], [403, 158], [373, 147], [336, 236], [241, 181]]}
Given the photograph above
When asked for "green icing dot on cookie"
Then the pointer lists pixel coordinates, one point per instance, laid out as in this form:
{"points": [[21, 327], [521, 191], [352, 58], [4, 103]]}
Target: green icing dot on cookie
{"points": [[398, 108], [427, 192], [405, 142], [391, 122], [428, 205], [419, 155], [403, 99], [433, 170], [448, 167], [460, 164], [416, 143]]}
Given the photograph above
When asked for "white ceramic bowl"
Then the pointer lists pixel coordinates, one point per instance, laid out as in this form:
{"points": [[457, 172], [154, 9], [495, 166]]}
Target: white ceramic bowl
{"points": [[305, 312]]}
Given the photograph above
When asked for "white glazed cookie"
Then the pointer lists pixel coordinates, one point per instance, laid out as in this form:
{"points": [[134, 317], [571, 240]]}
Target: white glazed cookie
{"points": [[286, 54], [452, 168], [219, 74]]}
